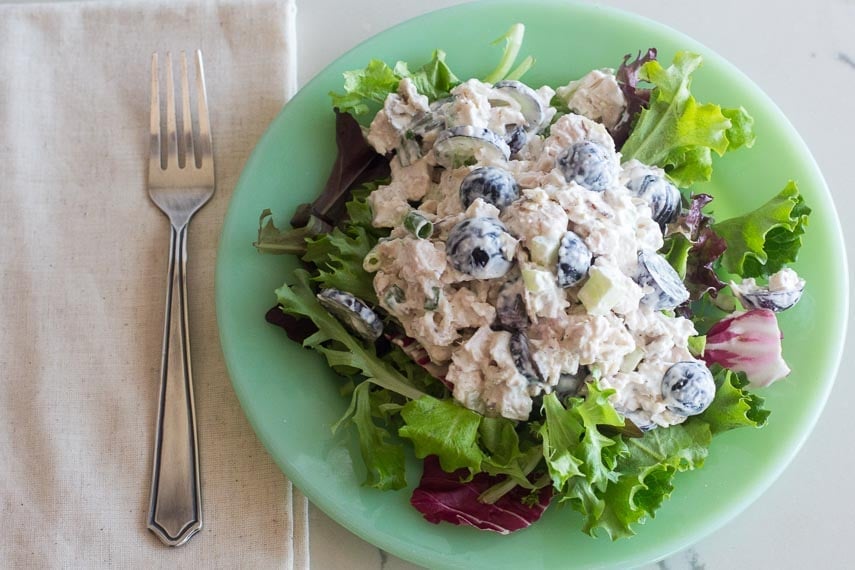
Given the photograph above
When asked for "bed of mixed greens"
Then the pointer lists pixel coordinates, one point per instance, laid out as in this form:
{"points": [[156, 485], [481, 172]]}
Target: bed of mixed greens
{"points": [[499, 474]]}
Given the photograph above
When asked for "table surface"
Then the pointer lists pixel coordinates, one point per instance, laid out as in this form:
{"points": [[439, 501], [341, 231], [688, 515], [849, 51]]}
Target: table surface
{"points": [[803, 56]]}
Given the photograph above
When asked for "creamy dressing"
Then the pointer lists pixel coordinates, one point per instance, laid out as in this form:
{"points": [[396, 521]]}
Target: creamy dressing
{"points": [[570, 330]]}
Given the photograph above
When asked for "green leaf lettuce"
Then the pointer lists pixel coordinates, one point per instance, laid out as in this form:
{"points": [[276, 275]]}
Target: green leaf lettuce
{"points": [[678, 133], [299, 300], [383, 459], [765, 240]]}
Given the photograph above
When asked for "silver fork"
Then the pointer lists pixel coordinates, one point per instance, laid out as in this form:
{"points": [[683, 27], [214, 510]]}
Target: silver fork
{"points": [[180, 181]]}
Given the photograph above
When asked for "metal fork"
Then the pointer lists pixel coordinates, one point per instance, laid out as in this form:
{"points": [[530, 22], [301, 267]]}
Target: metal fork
{"points": [[180, 181]]}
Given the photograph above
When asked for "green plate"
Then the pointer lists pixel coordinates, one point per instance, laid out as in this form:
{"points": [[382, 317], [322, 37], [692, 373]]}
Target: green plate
{"points": [[291, 397]]}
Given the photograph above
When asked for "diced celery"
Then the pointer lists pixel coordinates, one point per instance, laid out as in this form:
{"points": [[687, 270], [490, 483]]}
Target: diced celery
{"points": [[601, 292], [631, 360], [538, 280], [697, 344], [544, 251]]}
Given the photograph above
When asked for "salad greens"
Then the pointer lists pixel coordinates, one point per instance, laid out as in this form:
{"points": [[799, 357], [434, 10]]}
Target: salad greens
{"points": [[440, 497], [765, 240], [495, 473], [637, 97], [366, 89], [676, 132], [694, 249], [345, 351], [748, 342], [383, 459], [445, 429], [513, 42], [366, 86]]}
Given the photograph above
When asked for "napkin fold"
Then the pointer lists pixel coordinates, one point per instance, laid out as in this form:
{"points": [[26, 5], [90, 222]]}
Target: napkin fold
{"points": [[83, 276]]}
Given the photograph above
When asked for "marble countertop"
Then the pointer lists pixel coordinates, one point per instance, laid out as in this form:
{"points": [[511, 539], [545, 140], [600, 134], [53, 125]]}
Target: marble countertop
{"points": [[803, 56]]}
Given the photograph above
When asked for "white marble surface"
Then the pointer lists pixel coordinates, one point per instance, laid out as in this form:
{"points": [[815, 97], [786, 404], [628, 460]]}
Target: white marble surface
{"points": [[803, 55]]}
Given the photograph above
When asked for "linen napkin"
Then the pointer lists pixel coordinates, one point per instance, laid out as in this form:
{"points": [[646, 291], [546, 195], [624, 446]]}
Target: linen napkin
{"points": [[83, 256]]}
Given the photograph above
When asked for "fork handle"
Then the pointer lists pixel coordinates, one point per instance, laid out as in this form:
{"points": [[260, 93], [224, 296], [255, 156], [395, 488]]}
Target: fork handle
{"points": [[175, 511]]}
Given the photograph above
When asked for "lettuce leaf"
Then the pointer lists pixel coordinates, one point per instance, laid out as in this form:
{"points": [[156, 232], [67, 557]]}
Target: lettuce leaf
{"points": [[338, 257], [338, 254], [364, 87], [620, 484], [734, 406], [383, 459], [500, 439], [461, 438], [560, 434], [573, 446], [450, 497], [741, 131], [763, 241], [693, 249], [676, 251], [299, 300], [637, 98], [356, 163], [434, 79], [645, 475], [446, 429], [293, 241], [416, 374], [676, 132], [581, 460]]}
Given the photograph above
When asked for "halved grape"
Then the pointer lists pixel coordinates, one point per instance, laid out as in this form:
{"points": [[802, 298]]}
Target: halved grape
{"points": [[515, 136], [530, 105], [779, 297], [574, 260], [588, 164], [466, 145], [668, 289], [773, 300], [493, 185], [521, 353], [662, 197], [352, 312], [511, 311], [477, 247], [688, 388]]}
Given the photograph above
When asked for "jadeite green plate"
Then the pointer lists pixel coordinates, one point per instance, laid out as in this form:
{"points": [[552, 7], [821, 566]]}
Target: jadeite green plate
{"points": [[291, 397]]}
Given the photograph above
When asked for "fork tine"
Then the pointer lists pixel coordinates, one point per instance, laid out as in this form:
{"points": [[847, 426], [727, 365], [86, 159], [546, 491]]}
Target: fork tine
{"points": [[171, 129], [154, 138], [204, 142], [186, 118]]}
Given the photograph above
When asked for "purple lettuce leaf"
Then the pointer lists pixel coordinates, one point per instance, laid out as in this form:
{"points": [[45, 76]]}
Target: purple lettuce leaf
{"points": [[695, 220], [748, 342], [636, 97], [298, 329], [443, 496], [695, 249], [356, 163], [707, 248]]}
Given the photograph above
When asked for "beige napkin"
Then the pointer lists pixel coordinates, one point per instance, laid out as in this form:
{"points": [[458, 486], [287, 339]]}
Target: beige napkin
{"points": [[82, 285]]}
